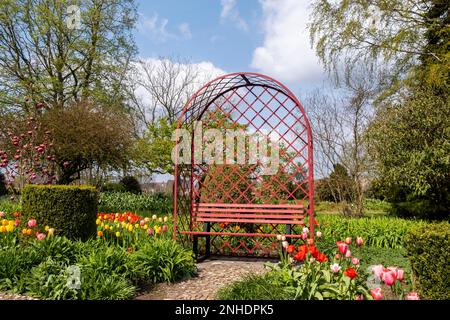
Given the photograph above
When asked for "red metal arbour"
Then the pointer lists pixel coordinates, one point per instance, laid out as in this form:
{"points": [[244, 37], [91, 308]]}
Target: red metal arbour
{"points": [[264, 206]]}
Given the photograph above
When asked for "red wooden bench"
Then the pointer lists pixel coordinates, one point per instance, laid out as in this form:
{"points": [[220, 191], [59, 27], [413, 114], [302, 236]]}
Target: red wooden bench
{"points": [[210, 213]]}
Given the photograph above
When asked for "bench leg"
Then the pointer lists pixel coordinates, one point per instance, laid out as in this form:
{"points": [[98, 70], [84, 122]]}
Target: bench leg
{"points": [[288, 231], [195, 246], [207, 228]]}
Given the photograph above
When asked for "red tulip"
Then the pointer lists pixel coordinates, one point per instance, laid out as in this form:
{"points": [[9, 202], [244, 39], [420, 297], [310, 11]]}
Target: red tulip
{"points": [[321, 257], [313, 250], [351, 273], [342, 246], [376, 294], [290, 248]]}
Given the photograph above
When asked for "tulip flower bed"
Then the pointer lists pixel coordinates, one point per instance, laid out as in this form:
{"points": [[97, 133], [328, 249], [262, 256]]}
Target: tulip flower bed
{"points": [[306, 273], [129, 252]]}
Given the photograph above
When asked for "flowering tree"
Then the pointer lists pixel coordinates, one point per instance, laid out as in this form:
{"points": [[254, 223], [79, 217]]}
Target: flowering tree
{"points": [[27, 157]]}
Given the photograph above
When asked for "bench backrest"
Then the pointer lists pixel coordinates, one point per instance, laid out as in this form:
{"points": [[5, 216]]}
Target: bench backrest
{"points": [[249, 213]]}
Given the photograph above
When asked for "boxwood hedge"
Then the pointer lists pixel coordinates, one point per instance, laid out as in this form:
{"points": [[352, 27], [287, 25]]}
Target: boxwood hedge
{"points": [[71, 210]]}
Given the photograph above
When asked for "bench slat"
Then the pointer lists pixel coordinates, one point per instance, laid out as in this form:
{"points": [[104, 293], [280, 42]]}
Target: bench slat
{"points": [[287, 221], [248, 210], [243, 215], [248, 205]]}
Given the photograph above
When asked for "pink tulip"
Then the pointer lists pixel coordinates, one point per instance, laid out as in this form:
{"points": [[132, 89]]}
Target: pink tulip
{"points": [[376, 294], [17, 223], [32, 223], [150, 231], [359, 241], [389, 278], [142, 223], [348, 254], [2, 214], [355, 261], [342, 246], [164, 228], [378, 271], [338, 256], [318, 234], [304, 236], [400, 274], [348, 240], [412, 296], [394, 271], [360, 297], [40, 236]]}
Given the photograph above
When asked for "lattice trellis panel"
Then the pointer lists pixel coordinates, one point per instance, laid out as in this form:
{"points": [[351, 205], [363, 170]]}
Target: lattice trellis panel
{"points": [[255, 105]]}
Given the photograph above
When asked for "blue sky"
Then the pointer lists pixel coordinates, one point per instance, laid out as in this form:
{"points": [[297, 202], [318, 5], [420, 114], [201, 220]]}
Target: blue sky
{"points": [[267, 36], [196, 31]]}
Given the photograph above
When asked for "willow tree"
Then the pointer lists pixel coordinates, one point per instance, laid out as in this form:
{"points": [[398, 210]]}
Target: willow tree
{"points": [[402, 33], [409, 137]]}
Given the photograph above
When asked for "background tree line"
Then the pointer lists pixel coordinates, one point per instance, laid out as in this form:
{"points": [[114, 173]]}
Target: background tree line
{"points": [[382, 130]]}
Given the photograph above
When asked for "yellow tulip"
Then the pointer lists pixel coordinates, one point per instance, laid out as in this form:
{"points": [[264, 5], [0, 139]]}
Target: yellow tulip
{"points": [[106, 226], [11, 223], [146, 219], [130, 228], [145, 226], [97, 222], [165, 219], [51, 231], [111, 228], [9, 228], [46, 228], [154, 217], [136, 226], [117, 234], [2, 229], [160, 219], [4, 222]]}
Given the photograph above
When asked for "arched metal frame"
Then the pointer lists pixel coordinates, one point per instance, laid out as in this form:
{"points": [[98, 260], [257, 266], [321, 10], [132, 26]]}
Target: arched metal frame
{"points": [[261, 105]]}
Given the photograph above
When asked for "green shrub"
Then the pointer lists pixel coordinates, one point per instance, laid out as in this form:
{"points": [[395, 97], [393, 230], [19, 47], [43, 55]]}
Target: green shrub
{"points": [[71, 210], [428, 250], [113, 187], [421, 208], [158, 203], [131, 184], [163, 260]]}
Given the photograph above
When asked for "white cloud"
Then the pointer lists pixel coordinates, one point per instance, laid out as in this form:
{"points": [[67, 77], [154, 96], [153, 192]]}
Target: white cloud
{"points": [[185, 30], [231, 13], [286, 53], [156, 28]]}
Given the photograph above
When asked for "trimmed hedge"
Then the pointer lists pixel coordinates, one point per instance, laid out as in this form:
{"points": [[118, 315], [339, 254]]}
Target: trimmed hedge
{"points": [[428, 249], [71, 210]]}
